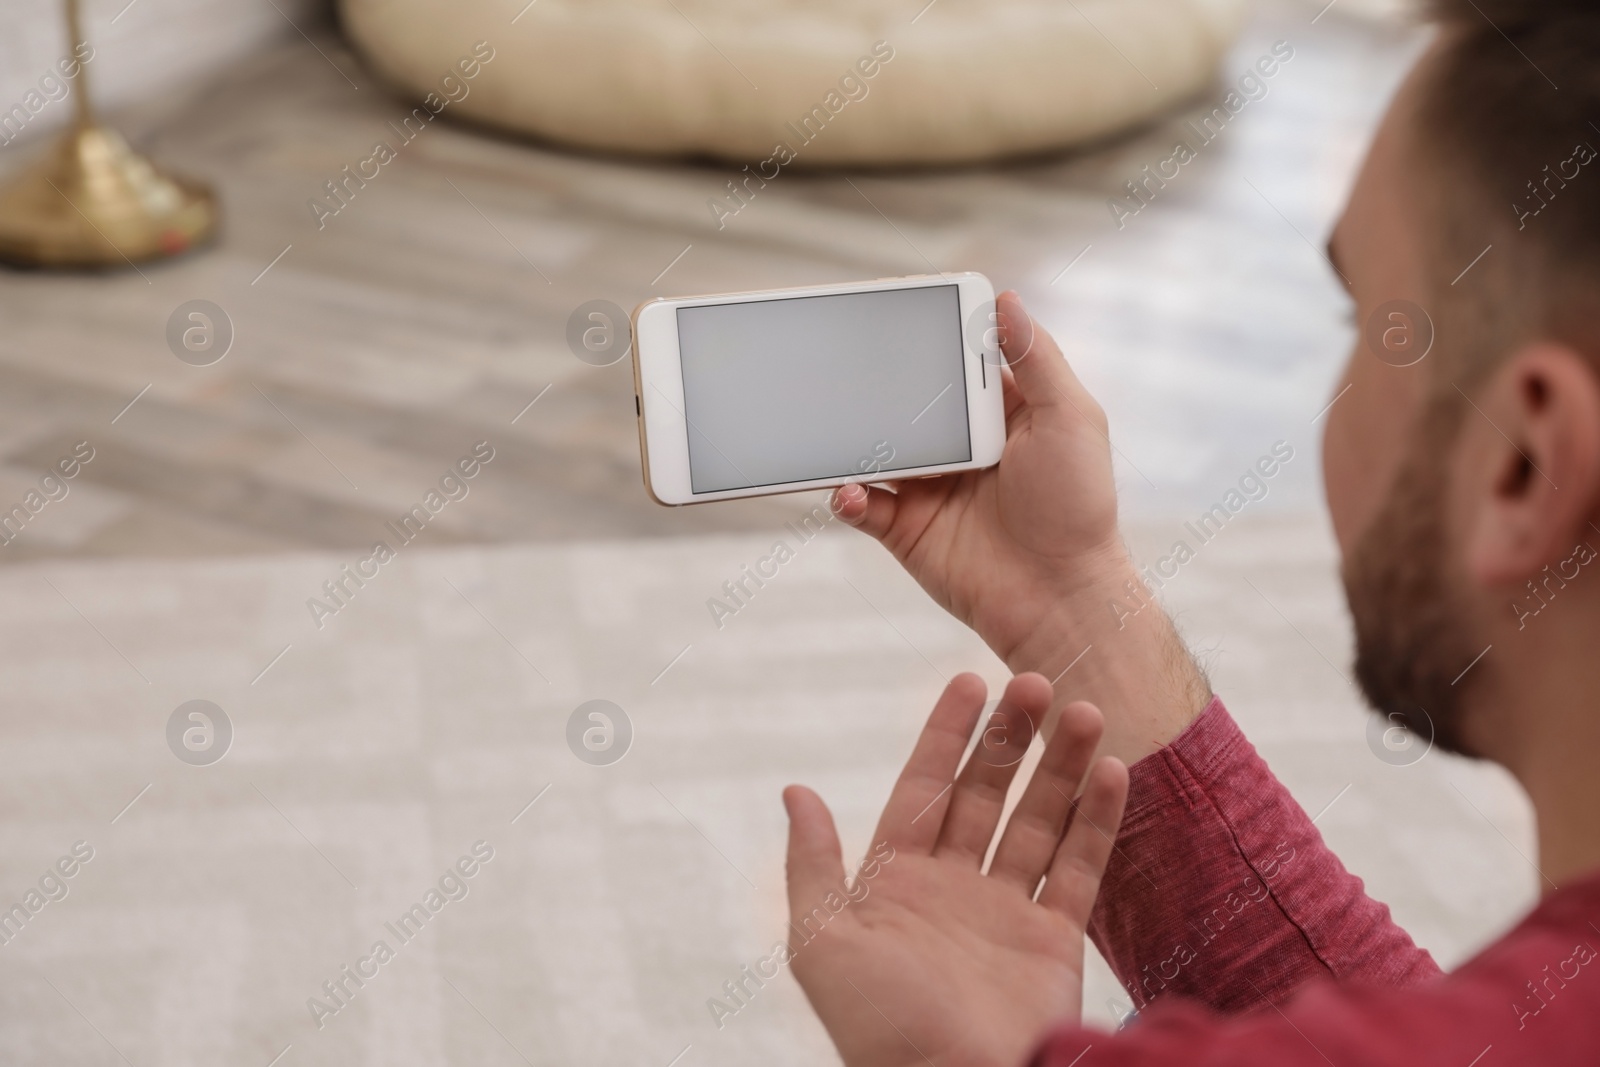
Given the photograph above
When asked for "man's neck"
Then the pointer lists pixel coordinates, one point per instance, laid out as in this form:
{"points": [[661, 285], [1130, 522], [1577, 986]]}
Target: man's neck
{"points": [[1569, 830], [1549, 729]]}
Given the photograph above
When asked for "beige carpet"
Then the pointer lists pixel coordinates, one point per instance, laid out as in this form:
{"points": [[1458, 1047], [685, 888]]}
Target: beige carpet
{"points": [[431, 710]]}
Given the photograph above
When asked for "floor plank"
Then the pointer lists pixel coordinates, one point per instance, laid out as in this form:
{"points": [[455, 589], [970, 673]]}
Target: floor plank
{"points": [[431, 310]]}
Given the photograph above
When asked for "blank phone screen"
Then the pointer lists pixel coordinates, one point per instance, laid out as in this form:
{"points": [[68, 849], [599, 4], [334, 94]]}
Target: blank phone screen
{"points": [[801, 388]]}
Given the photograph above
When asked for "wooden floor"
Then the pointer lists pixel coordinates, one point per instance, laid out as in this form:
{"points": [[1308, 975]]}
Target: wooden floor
{"points": [[371, 353]]}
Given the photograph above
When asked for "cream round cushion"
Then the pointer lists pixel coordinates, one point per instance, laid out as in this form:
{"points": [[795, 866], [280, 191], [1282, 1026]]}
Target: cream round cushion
{"points": [[955, 81]]}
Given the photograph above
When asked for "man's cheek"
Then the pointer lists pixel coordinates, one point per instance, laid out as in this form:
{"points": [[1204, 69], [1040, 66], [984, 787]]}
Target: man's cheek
{"points": [[1335, 465], [1363, 439]]}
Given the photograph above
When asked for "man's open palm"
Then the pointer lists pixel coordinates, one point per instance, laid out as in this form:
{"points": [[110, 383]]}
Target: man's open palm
{"points": [[939, 962]]}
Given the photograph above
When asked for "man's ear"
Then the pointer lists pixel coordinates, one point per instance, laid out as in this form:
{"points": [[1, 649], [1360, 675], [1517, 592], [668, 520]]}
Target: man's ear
{"points": [[1532, 455]]}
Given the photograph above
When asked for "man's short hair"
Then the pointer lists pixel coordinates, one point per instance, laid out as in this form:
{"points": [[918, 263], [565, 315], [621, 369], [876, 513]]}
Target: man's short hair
{"points": [[1507, 154]]}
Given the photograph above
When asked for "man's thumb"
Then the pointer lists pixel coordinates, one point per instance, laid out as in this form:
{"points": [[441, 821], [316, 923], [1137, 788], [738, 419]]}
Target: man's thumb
{"points": [[816, 866], [1037, 366]]}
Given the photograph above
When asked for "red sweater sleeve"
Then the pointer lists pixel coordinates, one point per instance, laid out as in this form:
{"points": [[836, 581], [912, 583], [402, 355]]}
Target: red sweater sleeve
{"points": [[1220, 890], [1530, 998]]}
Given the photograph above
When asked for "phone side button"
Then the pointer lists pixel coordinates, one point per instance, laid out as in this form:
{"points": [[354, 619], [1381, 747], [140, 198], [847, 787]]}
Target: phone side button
{"points": [[638, 410]]}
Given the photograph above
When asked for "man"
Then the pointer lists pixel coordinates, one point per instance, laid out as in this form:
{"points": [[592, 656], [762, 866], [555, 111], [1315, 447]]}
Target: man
{"points": [[1465, 496]]}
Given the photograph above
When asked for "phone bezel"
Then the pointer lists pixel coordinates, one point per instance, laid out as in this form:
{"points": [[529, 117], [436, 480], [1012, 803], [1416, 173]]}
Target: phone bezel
{"points": [[658, 388]]}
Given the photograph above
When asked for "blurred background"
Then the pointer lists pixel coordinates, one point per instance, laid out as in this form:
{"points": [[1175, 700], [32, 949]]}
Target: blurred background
{"points": [[348, 356]]}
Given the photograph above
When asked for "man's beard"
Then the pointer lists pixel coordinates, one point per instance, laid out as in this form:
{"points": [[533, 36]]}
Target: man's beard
{"points": [[1411, 641]]}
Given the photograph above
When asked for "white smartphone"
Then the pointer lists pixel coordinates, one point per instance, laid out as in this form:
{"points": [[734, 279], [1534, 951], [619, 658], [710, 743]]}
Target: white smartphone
{"points": [[750, 394]]}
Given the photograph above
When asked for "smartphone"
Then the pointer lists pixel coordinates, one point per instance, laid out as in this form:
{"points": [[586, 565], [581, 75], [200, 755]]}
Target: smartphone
{"points": [[752, 394]]}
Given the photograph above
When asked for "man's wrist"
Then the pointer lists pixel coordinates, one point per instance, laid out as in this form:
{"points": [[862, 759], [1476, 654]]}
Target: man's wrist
{"points": [[1107, 640]]}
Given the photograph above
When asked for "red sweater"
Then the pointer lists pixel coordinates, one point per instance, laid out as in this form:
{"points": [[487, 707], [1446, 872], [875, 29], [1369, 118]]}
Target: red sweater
{"points": [[1224, 915]]}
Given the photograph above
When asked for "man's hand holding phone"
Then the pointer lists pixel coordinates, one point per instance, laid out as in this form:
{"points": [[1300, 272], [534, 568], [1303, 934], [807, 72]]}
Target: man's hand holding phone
{"points": [[1028, 553]]}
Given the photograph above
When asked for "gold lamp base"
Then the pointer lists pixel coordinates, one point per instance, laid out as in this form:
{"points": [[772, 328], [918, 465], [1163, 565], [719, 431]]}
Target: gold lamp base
{"points": [[95, 202]]}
